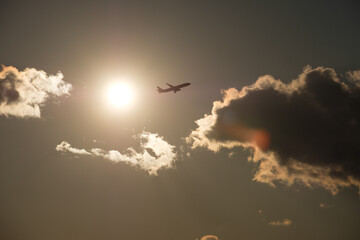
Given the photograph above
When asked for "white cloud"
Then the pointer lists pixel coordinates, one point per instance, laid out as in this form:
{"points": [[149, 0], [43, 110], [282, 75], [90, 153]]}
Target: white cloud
{"points": [[155, 153], [22, 93]]}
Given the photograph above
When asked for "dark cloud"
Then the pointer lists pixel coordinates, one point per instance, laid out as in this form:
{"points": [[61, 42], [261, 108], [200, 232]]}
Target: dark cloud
{"points": [[8, 92], [23, 92], [307, 130]]}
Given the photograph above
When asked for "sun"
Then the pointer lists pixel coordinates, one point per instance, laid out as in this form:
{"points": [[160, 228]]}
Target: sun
{"points": [[120, 95]]}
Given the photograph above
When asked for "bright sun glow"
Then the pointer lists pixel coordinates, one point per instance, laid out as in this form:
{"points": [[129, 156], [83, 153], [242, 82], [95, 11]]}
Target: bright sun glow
{"points": [[120, 95]]}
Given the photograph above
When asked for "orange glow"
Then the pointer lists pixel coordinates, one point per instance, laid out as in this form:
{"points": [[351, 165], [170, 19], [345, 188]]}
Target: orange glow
{"points": [[262, 139], [259, 137]]}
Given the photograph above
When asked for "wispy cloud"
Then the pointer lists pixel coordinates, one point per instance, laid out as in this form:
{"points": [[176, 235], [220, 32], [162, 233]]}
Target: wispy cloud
{"points": [[155, 153], [22, 93], [306, 131], [209, 237], [326, 205], [285, 222], [66, 147]]}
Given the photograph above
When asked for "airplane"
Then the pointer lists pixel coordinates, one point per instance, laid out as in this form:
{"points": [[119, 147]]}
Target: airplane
{"points": [[172, 88]]}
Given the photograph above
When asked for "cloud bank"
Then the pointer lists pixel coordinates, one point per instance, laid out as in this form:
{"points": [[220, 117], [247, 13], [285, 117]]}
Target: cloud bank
{"points": [[155, 153], [22, 93], [306, 131]]}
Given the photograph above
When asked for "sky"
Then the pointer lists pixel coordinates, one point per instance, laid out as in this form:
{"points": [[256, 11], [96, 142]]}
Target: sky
{"points": [[262, 145]]}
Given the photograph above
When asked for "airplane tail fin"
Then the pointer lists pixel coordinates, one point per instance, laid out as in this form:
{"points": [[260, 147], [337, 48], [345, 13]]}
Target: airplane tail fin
{"points": [[159, 89]]}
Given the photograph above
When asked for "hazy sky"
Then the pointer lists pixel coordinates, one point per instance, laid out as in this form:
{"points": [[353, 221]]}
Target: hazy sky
{"points": [[264, 144]]}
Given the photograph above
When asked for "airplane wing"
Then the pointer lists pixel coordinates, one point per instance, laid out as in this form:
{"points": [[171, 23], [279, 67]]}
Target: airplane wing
{"points": [[172, 88]]}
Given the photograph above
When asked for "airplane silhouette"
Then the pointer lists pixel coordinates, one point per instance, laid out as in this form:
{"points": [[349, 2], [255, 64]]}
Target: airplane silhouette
{"points": [[172, 88]]}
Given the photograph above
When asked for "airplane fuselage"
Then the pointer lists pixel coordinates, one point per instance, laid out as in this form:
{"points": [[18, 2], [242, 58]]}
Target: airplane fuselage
{"points": [[173, 88]]}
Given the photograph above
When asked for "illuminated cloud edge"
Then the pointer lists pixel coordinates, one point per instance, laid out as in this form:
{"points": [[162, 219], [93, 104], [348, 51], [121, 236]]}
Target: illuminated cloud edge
{"points": [[209, 237]]}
